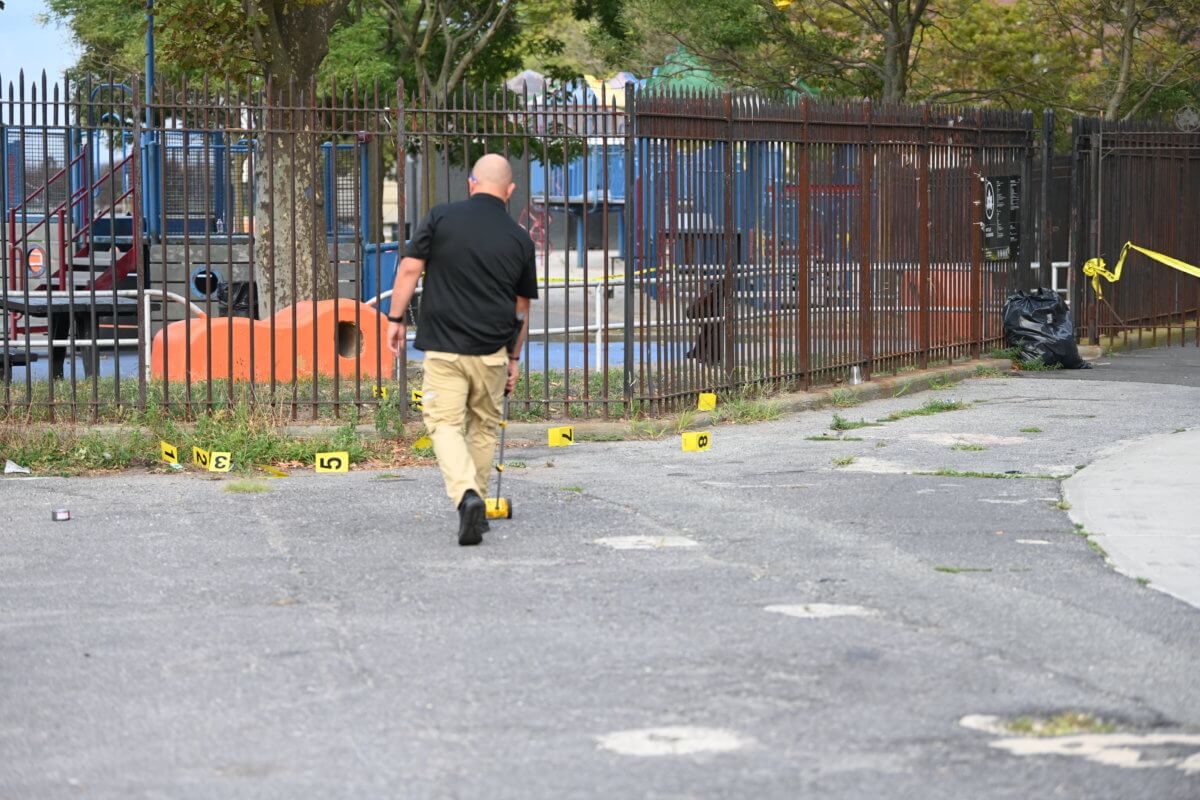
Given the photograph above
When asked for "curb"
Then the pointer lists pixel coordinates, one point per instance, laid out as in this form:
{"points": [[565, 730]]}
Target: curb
{"points": [[882, 388]]}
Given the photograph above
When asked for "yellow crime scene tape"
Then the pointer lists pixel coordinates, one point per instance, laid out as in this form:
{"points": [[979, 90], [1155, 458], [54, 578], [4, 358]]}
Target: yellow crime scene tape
{"points": [[1095, 268]]}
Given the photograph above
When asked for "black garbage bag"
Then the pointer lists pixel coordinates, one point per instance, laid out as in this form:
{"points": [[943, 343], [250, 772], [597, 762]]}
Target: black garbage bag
{"points": [[1039, 325]]}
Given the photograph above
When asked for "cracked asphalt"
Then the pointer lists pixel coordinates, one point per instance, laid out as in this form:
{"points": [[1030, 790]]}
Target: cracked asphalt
{"points": [[330, 639]]}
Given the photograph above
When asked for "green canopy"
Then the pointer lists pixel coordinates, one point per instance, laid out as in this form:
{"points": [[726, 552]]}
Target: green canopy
{"points": [[682, 70]]}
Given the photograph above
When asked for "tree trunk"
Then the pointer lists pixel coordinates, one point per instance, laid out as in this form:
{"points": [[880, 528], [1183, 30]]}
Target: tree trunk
{"points": [[290, 248]]}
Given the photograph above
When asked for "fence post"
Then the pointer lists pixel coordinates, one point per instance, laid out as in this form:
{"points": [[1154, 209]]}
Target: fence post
{"points": [[1046, 229], [402, 216], [731, 246], [803, 268], [137, 168], [923, 223], [1024, 196], [632, 198], [1094, 223], [1075, 234], [866, 323], [974, 289]]}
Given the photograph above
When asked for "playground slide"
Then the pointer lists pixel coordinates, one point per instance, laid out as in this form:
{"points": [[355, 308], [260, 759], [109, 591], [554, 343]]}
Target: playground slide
{"points": [[349, 335]]}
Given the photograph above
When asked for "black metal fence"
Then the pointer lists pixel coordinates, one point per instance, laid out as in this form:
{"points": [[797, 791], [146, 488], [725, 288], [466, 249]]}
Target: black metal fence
{"points": [[220, 245]]}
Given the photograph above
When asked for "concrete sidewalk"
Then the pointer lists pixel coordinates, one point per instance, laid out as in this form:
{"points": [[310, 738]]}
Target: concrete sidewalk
{"points": [[1141, 503]]}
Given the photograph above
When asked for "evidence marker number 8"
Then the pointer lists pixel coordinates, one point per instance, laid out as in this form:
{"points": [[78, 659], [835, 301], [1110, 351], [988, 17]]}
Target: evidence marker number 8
{"points": [[697, 441]]}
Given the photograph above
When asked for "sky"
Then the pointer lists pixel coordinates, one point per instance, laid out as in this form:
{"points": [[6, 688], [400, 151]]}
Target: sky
{"points": [[27, 44]]}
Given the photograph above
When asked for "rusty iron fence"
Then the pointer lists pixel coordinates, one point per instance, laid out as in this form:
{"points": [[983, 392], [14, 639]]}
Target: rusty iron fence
{"points": [[1136, 181], [793, 243], [215, 246]]}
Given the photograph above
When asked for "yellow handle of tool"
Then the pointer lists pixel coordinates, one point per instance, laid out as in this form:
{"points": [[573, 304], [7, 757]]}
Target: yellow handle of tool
{"points": [[1095, 268]]}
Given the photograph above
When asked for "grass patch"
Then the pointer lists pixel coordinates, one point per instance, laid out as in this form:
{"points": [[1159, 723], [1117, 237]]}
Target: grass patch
{"points": [[844, 461], [845, 398], [247, 487], [974, 448], [1063, 505], [1011, 353], [1037, 365], [902, 389], [423, 452], [516, 464], [1067, 723], [251, 438], [956, 473], [940, 382], [986, 371], [1031, 429], [657, 429], [958, 570], [576, 489], [931, 407], [825, 437], [1142, 581], [747, 409], [840, 423], [599, 437]]}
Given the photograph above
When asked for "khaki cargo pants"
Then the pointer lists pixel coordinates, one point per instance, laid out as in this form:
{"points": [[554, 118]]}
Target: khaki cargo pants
{"points": [[461, 400]]}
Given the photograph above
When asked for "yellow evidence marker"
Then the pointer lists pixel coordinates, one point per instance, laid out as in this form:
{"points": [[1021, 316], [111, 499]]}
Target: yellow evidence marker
{"points": [[696, 441], [220, 462], [200, 457], [561, 437], [336, 461], [706, 402], [169, 452], [379, 391], [417, 397], [424, 443]]}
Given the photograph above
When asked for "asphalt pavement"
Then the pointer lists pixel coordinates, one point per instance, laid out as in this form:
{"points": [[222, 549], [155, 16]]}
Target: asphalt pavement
{"points": [[777, 617]]}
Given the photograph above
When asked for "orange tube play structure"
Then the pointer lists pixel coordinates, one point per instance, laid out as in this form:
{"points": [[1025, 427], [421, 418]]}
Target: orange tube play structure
{"points": [[348, 333]]}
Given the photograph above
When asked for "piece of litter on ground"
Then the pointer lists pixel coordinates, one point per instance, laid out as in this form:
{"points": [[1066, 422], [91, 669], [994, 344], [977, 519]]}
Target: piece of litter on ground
{"points": [[11, 467], [175, 465], [822, 611], [1032, 541]]}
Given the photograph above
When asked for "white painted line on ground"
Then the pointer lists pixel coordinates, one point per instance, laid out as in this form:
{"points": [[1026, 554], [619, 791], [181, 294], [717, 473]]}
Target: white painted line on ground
{"points": [[1000, 502], [875, 466], [1032, 541], [1124, 750], [966, 438], [645, 542], [822, 611], [675, 740]]}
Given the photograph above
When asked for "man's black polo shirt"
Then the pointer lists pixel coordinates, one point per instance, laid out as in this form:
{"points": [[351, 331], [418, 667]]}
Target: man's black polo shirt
{"points": [[478, 260]]}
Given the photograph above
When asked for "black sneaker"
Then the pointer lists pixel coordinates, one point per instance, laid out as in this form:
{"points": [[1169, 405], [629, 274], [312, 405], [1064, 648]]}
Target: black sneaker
{"points": [[471, 516]]}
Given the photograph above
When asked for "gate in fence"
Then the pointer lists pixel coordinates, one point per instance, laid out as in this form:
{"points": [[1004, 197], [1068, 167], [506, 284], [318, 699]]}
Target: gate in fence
{"points": [[1136, 182]]}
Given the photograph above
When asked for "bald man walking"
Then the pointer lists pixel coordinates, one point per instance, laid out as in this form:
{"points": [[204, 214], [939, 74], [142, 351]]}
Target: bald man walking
{"points": [[480, 275]]}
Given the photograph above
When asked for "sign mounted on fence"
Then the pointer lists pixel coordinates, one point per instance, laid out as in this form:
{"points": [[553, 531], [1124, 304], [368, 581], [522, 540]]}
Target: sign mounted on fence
{"points": [[1002, 218]]}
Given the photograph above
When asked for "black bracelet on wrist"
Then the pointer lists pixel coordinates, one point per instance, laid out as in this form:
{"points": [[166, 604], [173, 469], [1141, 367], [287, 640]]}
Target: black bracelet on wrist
{"points": [[514, 358], [399, 321]]}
